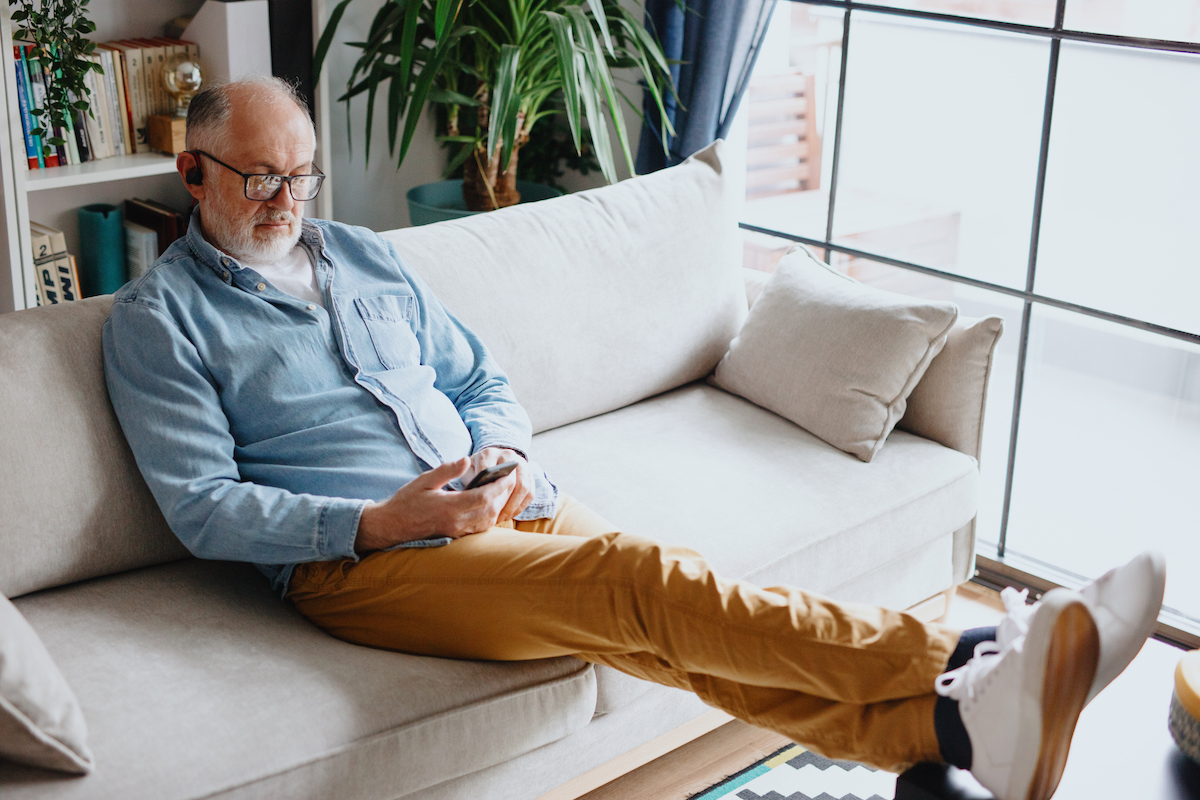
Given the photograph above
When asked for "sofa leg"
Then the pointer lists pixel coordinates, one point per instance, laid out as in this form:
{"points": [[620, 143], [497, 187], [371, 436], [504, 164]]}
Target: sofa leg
{"points": [[936, 608]]}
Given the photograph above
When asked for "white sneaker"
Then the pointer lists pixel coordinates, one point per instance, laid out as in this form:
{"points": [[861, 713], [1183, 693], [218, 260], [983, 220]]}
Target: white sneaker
{"points": [[1125, 603], [1020, 697]]}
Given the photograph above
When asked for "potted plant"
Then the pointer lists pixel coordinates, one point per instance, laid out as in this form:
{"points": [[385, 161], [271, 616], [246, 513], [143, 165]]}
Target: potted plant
{"points": [[496, 69]]}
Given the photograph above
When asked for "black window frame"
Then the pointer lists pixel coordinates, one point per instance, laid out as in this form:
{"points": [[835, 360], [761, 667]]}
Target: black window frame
{"points": [[1007, 569]]}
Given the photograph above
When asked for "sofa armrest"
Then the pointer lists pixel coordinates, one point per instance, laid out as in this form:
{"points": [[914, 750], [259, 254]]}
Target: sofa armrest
{"points": [[756, 279], [947, 405]]}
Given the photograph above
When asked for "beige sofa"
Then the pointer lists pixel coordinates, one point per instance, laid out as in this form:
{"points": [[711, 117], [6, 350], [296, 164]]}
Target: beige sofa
{"points": [[608, 309]]}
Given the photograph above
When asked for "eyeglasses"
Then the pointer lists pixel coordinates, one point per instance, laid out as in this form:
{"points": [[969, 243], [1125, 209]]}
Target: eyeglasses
{"points": [[265, 187]]}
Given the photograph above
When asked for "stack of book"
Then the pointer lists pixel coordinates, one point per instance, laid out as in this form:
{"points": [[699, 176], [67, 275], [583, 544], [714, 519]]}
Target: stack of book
{"points": [[150, 228], [122, 97], [54, 268]]}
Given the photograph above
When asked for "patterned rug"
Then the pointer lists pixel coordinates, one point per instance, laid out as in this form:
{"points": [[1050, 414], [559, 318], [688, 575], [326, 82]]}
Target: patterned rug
{"points": [[794, 773]]}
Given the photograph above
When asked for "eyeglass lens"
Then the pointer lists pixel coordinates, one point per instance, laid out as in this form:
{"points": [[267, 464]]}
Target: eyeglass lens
{"points": [[264, 187]]}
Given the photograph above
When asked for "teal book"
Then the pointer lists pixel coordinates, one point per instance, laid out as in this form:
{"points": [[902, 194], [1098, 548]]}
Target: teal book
{"points": [[102, 249]]}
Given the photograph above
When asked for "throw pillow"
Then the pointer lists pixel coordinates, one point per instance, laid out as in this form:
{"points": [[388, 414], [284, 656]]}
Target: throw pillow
{"points": [[835, 356], [41, 723]]}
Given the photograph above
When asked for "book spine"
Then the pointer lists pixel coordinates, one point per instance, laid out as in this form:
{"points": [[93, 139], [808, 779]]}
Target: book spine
{"points": [[26, 119], [122, 105], [68, 285], [156, 58], [126, 105], [59, 131], [37, 140], [43, 267], [137, 97], [37, 79], [110, 95], [101, 141], [82, 139]]}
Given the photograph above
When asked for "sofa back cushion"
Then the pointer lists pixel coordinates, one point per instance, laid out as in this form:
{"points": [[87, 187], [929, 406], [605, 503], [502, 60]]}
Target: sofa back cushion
{"points": [[596, 300], [72, 502]]}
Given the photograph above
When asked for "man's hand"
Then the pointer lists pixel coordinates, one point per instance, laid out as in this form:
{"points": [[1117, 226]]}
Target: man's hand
{"points": [[424, 508], [521, 493]]}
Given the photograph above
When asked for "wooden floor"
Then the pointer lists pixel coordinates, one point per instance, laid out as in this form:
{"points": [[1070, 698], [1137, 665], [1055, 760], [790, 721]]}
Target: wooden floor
{"points": [[735, 745]]}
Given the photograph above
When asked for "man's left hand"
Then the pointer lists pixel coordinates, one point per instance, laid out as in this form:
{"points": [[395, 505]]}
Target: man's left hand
{"points": [[522, 478]]}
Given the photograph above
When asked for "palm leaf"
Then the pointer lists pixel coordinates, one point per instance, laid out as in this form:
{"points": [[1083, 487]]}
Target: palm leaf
{"points": [[565, 46]]}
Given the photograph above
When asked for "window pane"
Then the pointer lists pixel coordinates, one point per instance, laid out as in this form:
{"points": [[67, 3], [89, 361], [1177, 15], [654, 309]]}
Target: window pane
{"points": [[971, 302], [787, 121], [1109, 450], [940, 145], [1176, 20], [1028, 12], [1119, 226]]}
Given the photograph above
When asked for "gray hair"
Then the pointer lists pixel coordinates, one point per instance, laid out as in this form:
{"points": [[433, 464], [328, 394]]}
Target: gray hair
{"points": [[209, 112]]}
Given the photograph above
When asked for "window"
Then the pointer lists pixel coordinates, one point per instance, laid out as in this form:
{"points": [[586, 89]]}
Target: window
{"points": [[1035, 160]]}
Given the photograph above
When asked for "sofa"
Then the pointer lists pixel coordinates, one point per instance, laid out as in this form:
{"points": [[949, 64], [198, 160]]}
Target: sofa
{"points": [[610, 310]]}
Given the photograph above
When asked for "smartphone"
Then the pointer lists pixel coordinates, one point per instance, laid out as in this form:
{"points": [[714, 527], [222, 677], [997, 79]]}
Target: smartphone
{"points": [[492, 474]]}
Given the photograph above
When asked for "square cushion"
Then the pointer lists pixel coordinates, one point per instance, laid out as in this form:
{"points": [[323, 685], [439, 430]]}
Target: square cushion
{"points": [[198, 681], [40, 719], [836, 357], [601, 298]]}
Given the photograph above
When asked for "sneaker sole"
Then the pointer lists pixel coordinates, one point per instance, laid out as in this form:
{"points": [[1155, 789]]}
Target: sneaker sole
{"points": [[1071, 660]]}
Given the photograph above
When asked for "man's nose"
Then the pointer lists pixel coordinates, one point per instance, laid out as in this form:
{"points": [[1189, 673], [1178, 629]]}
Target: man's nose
{"points": [[283, 199]]}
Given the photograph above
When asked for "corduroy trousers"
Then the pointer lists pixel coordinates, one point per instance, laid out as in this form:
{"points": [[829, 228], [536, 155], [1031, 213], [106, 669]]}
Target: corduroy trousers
{"points": [[847, 681]]}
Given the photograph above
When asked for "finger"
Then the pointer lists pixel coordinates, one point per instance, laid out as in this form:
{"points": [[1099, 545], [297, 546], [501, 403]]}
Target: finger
{"points": [[439, 476]]}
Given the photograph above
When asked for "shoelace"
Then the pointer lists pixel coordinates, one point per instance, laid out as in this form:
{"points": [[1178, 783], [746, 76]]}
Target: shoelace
{"points": [[1017, 614], [959, 684]]}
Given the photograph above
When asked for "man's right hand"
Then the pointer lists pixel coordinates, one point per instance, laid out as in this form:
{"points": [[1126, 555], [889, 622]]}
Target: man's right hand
{"points": [[425, 508]]}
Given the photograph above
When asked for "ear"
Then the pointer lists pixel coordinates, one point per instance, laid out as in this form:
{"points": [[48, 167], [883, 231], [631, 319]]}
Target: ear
{"points": [[187, 164]]}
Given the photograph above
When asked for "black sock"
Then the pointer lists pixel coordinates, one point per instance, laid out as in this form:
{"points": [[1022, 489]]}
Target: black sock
{"points": [[951, 735]]}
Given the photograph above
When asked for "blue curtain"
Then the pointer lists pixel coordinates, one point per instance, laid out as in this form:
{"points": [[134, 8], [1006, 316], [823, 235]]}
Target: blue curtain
{"points": [[715, 43]]}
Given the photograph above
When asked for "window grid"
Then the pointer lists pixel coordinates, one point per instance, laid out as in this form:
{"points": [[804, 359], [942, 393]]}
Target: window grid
{"points": [[1035, 575]]}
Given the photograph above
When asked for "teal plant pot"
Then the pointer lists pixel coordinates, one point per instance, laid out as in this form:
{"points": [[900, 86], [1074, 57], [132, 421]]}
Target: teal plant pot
{"points": [[443, 200]]}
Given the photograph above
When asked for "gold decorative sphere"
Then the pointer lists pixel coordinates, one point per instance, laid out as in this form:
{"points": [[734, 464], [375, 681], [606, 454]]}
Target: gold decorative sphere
{"points": [[183, 79]]}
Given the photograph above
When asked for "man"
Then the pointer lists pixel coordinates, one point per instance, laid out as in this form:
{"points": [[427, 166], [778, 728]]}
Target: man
{"points": [[296, 398]]}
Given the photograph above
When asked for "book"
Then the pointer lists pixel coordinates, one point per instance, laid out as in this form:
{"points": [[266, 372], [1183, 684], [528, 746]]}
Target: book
{"points": [[58, 132], [111, 109], [135, 91], [98, 133], [37, 79], [31, 148], [43, 268], [159, 218], [64, 273], [141, 249], [33, 123]]}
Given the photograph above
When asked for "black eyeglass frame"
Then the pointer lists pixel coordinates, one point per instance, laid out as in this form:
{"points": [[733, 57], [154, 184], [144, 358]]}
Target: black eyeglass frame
{"points": [[284, 179]]}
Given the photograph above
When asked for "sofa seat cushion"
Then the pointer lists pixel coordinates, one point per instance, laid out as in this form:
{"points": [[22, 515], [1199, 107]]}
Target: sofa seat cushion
{"points": [[700, 467], [196, 681]]}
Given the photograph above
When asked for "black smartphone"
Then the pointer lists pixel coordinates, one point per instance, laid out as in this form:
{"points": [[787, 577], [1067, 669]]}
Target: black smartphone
{"points": [[492, 474]]}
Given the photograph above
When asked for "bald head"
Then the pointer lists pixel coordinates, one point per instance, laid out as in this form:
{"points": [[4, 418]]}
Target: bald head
{"points": [[217, 111]]}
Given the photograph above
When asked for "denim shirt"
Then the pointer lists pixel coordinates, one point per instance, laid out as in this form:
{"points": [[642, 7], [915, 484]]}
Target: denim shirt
{"points": [[263, 424]]}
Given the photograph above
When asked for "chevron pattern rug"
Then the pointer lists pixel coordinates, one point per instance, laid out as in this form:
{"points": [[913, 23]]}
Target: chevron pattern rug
{"points": [[794, 773]]}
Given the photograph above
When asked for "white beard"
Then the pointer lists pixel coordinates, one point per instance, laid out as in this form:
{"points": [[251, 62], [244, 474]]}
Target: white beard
{"points": [[247, 243]]}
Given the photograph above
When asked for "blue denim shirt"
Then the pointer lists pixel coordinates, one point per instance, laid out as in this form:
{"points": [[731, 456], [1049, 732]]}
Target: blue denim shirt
{"points": [[263, 424]]}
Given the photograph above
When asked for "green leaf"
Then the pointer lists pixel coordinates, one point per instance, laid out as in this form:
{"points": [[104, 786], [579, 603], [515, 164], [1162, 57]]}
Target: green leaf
{"points": [[447, 96], [442, 17], [459, 159], [502, 126], [560, 28], [327, 37], [597, 7]]}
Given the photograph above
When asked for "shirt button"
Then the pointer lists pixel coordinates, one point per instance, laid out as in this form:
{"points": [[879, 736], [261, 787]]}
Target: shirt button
{"points": [[312, 307], [261, 286]]}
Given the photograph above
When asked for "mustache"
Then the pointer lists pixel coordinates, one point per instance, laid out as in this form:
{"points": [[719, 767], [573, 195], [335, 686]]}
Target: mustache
{"points": [[274, 215]]}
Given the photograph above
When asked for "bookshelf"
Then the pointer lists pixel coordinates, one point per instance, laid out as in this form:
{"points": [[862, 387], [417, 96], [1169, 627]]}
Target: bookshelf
{"points": [[51, 196]]}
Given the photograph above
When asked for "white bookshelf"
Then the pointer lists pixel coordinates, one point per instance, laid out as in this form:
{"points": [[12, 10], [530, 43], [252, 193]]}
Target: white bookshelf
{"points": [[118, 168], [51, 196]]}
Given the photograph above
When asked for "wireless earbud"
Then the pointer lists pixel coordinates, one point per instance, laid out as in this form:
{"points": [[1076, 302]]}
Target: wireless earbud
{"points": [[193, 176]]}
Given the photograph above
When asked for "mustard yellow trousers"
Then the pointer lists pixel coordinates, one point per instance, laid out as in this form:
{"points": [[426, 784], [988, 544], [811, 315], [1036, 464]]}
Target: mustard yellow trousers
{"points": [[847, 681]]}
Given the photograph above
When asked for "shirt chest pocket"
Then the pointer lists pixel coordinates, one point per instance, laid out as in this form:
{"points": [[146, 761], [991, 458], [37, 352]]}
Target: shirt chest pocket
{"points": [[388, 322]]}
